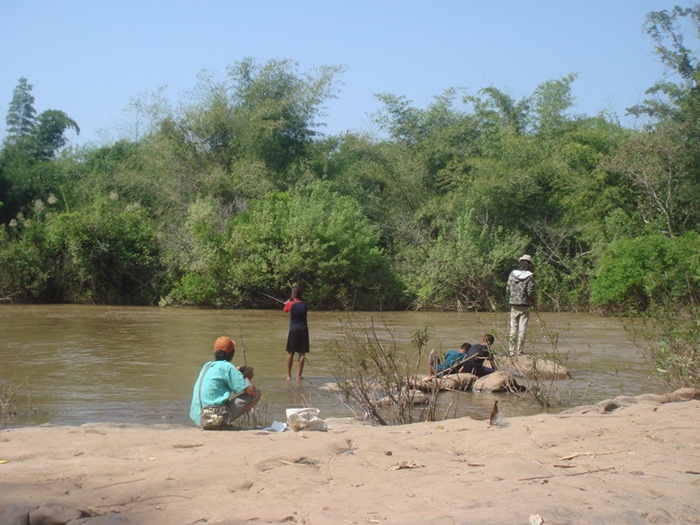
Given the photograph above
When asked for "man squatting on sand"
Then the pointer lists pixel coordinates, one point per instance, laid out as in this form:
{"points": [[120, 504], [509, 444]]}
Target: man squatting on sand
{"points": [[222, 389]]}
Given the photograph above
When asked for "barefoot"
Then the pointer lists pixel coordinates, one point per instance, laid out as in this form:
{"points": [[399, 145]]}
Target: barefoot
{"points": [[299, 378]]}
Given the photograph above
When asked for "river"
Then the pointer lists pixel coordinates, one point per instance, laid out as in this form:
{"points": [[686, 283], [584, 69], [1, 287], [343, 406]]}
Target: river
{"points": [[75, 364]]}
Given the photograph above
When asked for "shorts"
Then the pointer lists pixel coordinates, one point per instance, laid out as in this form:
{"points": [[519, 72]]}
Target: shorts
{"points": [[222, 417], [238, 403], [298, 341]]}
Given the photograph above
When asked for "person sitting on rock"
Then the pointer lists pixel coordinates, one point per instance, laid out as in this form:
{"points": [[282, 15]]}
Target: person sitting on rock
{"points": [[476, 357], [450, 365]]}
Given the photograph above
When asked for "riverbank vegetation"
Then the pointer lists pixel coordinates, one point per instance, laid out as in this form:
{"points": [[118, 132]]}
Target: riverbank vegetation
{"points": [[234, 191]]}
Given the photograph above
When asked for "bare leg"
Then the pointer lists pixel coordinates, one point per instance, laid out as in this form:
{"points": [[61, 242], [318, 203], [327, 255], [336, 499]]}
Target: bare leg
{"points": [[290, 362], [249, 405], [432, 362], [302, 360]]}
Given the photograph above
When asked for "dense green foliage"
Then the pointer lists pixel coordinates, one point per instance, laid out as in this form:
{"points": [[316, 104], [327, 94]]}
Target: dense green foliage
{"points": [[312, 235], [106, 253], [234, 191], [651, 270]]}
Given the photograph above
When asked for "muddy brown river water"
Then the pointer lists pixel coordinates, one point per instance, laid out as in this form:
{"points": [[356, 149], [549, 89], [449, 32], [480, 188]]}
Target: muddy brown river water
{"points": [[79, 364]]}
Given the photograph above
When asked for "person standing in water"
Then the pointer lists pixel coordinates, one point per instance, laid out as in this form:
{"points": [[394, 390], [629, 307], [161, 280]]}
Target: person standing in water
{"points": [[298, 338], [521, 290]]}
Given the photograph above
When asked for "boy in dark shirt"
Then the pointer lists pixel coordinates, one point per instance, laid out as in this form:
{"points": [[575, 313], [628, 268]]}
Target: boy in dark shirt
{"points": [[298, 338], [476, 356]]}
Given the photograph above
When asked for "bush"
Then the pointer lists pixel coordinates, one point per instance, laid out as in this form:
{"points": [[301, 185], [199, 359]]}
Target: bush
{"points": [[564, 286], [9, 391], [637, 274], [197, 258], [463, 267], [374, 376], [315, 238], [104, 254], [23, 276]]}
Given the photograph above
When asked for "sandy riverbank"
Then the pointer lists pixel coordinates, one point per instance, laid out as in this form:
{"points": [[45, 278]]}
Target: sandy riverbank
{"points": [[638, 463]]}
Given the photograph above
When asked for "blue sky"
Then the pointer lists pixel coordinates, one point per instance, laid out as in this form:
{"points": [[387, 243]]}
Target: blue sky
{"points": [[89, 58]]}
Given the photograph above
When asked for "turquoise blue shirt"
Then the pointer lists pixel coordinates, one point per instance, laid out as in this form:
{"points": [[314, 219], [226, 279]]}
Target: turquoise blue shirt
{"points": [[452, 359], [220, 381]]}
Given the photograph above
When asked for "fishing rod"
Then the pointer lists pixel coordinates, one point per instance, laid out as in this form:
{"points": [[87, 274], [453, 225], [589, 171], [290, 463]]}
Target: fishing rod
{"points": [[240, 328], [246, 371], [273, 298]]}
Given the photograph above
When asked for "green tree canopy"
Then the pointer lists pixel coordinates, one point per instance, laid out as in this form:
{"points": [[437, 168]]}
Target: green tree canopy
{"points": [[49, 135], [312, 237], [21, 114]]}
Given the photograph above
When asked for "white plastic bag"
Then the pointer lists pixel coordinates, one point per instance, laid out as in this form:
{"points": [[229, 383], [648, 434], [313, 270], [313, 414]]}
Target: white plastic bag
{"points": [[305, 419]]}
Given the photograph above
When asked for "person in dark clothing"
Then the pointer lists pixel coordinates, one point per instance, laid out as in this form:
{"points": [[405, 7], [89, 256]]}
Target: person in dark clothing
{"points": [[476, 357], [298, 338]]}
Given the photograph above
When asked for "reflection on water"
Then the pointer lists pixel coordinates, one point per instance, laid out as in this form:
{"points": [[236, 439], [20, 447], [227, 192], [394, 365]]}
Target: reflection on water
{"points": [[118, 364]]}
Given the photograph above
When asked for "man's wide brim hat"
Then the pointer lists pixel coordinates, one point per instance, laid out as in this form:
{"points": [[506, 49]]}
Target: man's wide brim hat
{"points": [[525, 258]]}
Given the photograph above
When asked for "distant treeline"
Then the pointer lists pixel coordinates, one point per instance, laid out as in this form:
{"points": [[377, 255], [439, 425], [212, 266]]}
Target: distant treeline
{"points": [[233, 192]]}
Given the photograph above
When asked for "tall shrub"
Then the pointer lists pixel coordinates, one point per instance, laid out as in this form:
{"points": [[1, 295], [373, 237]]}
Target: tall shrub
{"points": [[105, 254], [464, 266], [314, 237], [635, 274]]}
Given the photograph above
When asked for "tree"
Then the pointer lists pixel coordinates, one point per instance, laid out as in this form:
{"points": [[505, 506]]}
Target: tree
{"points": [[404, 123], [311, 236], [21, 115], [49, 133], [276, 108], [240, 136], [464, 266], [678, 101], [26, 173], [662, 163], [501, 109], [550, 102], [658, 166]]}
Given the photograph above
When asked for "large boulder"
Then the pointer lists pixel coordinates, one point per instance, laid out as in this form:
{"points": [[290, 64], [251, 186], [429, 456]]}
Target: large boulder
{"points": [[496, 382], [448, 382], [532, 367]]}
